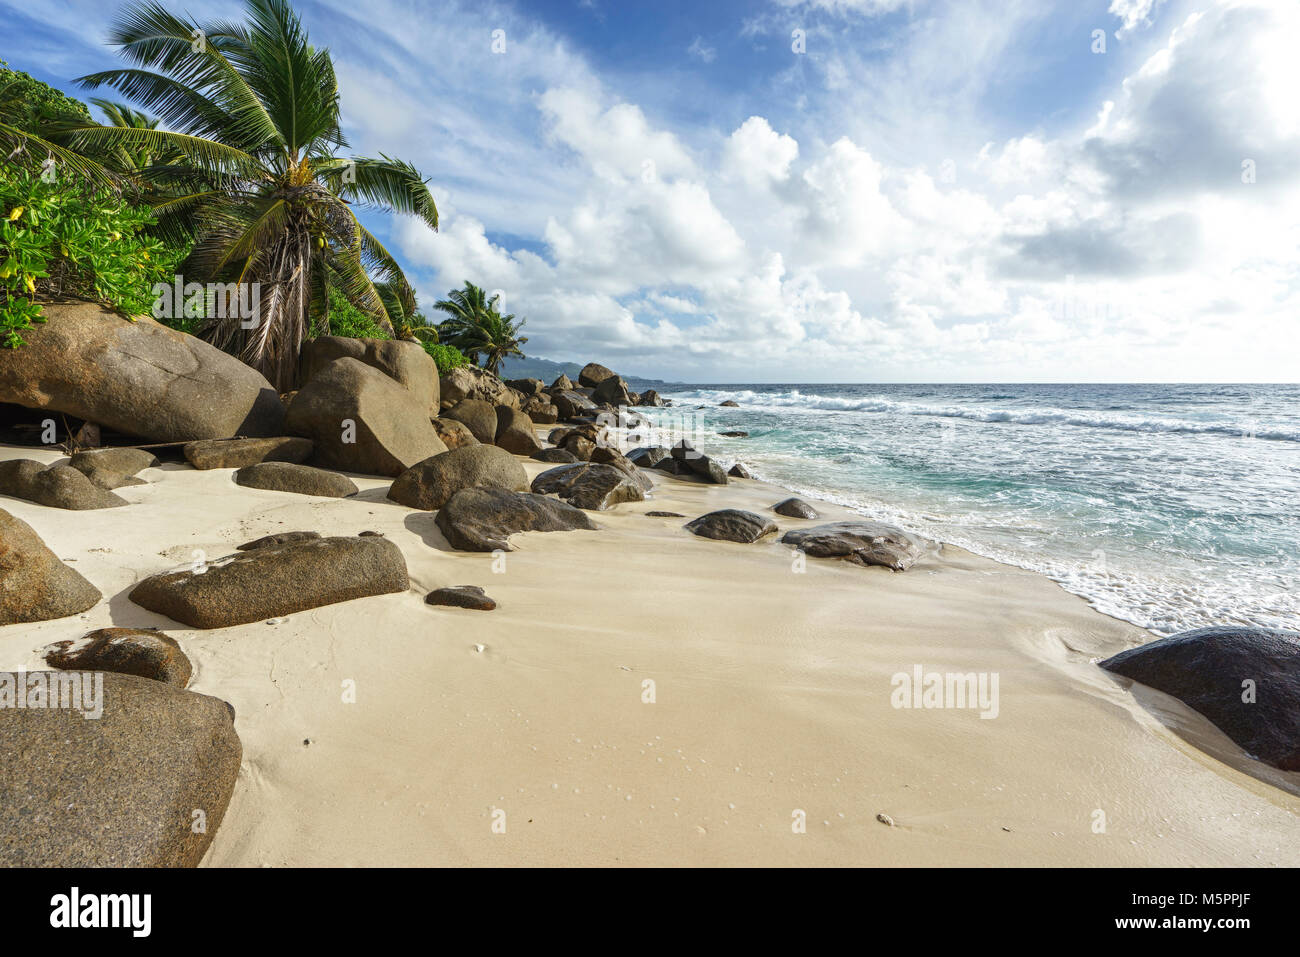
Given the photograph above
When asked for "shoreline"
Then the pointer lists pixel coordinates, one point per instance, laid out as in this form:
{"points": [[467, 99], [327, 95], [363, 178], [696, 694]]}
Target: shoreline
{"points": [[772, 696]]}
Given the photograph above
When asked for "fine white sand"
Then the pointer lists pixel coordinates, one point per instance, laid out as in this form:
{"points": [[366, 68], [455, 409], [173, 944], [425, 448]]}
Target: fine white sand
{"points": [[772, 695]]}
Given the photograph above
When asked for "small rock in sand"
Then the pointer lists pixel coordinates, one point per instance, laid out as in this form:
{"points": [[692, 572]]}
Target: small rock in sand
{"points": [[461, 596]]}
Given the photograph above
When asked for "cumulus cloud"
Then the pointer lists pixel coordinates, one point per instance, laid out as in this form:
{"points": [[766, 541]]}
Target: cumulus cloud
{"points": [[898, 203]]}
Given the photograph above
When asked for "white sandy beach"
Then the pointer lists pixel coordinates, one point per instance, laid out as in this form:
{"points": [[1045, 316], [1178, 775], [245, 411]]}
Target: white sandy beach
{"points": [[772, 694]]}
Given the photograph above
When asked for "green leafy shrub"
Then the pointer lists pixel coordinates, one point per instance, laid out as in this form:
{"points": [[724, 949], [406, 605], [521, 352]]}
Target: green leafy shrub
{"points": [[60, 240], [446, 357], [348, 321], [30, 104]]}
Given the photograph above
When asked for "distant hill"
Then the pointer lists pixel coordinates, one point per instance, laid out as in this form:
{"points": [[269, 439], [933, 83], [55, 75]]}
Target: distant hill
{"points": [[548, 371]]}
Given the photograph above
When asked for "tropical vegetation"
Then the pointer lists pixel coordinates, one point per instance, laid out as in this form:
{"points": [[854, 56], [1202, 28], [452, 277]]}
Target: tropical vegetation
{"points": [[224, 163], [477, 328]]}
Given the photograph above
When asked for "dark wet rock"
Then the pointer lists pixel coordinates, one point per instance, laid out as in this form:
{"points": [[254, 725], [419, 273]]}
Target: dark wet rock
{"points": [[127, 651], [121, 790], [373, 533], [658, 514], [237, 453], [862, 543], [593, 374], [589, 486], [276, 581], [648, 456], [478, 416], [483, 519], [34, 584], [729, 404], [113, 468], [401, 360], [515, 432], [570, 404], [429, 484], [461, 596], [739, 471], [651, 398], [699, 463], [390, 429], [140, 378], [280, 538], [454, 434], [555, 456], [795, 508], [672, 466], [300, 479], [58, 486], [735, 434], [608, 455], [471, 382], [732, 525], [1246, 681]]}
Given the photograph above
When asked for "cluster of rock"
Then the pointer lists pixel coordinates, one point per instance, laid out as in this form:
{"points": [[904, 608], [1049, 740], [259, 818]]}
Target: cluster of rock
{"points": [[857, 542], [452, 446]]}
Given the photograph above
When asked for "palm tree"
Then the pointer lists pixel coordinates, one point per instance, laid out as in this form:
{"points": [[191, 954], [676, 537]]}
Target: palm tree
{"points": [[477, 327], [253, 176], [121, 115]]}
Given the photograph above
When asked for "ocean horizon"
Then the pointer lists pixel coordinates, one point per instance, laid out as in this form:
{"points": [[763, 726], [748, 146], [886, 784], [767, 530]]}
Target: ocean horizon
{"points": [[1164, 505]]}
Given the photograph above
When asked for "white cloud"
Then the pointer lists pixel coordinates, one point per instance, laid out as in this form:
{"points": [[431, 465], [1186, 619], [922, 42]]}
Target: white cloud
{"points": [[703, 51]]}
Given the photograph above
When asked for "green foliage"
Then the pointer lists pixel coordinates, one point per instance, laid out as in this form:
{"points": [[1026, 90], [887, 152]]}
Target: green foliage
{"points": [[246, 160], [447, 357], [32, 105], [347, 320], [58, 240]]}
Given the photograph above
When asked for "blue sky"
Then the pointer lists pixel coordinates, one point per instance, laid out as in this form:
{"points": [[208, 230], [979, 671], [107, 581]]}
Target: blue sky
{"points": [[927, 190]]}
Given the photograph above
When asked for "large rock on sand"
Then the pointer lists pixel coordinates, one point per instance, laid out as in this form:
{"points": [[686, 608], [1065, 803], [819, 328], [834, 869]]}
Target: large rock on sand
{"points": [[403, 361], [862, 543], [237, 453], [454, 434], [478, 416], [613, 391], [140, 378], [362, 421], [540, 409], [113, 468], [732, 525], [483, 519], [593, 374], [795, 508], [299, 479], [697, 463], [34, 584], [590, 486], [126, 789], [127, 651], [429, 484], [471, 382], [58, 486], [515, 432], [1244, 680], [570, 404], [276, 581]]}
